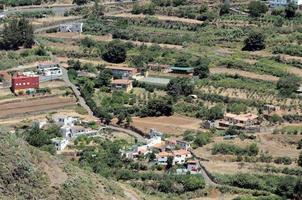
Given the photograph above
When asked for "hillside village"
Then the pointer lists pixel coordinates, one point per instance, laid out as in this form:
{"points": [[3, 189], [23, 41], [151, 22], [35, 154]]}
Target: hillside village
{"points": [[151, 99]]}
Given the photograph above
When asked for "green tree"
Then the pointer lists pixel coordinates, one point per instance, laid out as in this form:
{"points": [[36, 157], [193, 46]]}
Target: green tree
{"points": [[202, 139], [115, 52], [300, 159], [285, 188], [193, 182], [290, 10], [288, 85], [298, 190], [37, 137], [180, 86], [80, 2], [170, 162], [201, 68], [257, 8], [299, 144], [236, 108], [104, 78], [224, 9], [253, 150], [216, 112], [18, 32], [254, 42]]}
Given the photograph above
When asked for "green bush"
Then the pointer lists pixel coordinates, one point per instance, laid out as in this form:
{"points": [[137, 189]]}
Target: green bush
{"points": [[231, 149]]}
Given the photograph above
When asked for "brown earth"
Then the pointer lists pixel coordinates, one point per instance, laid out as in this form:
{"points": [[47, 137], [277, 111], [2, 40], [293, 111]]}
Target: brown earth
{"points": [[173, 125], [14, 108]]}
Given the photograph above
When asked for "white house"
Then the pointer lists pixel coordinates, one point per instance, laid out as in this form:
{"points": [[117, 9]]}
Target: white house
{"points": [[155, 133], [60, 143], [64, 120], [46, 65], [72, 27], [53, 71], [179, 157], [282, 3]]}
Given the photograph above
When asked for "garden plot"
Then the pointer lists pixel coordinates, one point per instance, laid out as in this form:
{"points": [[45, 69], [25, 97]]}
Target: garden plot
{"points": [[34, 105], [251, 75]]}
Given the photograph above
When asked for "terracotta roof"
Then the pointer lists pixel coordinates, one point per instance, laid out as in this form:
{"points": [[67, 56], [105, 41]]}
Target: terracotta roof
{"points": [[159, 145], [191, 161], [164, 154], [121, 81], [242, 117], [181, 152]]}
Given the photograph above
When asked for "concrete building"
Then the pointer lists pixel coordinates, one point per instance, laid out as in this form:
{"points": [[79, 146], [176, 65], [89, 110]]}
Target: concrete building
{"points": [[241, 121], [64, 120], [53, 72], [47, 65], [122, 72], [22, 83], [121, 84], [72, 27], [179, 157], [283, 3], [60, 143]]}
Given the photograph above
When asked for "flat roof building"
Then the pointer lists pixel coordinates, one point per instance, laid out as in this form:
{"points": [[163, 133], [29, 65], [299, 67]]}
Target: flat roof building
{"points": [[24, 83]]}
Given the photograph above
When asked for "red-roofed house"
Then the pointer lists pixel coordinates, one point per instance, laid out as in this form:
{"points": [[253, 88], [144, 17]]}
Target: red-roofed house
{"points": [[121, 84]]}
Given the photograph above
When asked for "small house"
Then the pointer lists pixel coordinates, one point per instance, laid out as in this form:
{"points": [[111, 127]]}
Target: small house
{"points": [[22, 83], [182, 70], [121, 84], [60, 143], [284, 3], [71, 27], [64, 120], [47, 65], [122, 72], [183, 144], [154, 133], [209, 124], [193, 166], [241, 121], [270, 109]]}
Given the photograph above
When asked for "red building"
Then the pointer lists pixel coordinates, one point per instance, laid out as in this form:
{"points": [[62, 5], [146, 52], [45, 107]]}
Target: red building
{"points": [[23, 83]]}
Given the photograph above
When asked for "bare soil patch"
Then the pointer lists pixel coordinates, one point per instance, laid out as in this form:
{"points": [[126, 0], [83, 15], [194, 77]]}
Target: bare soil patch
{"points": [[14, 108], [173, 125], [279, 145]]}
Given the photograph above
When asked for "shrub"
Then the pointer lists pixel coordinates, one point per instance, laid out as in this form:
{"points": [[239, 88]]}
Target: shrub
{"points": [[115, 52], [283, 160], [254, 42]]}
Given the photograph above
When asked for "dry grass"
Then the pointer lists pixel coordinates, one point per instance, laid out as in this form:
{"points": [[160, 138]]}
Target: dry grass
{"points": [[173, 125]]}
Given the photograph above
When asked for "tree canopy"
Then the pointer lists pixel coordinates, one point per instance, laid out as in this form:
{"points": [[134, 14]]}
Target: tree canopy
{"points": [[254, 42], [115, 52], [257, 8], [288, 85], [18, 32], [201, 67], [180, 86]]}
